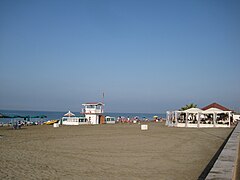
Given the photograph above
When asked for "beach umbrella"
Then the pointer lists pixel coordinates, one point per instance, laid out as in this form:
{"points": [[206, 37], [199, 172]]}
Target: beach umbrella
{"points": [[4, 116], [34, 117], [25, 117], [8, 116], [42, 116], [69, 114]]}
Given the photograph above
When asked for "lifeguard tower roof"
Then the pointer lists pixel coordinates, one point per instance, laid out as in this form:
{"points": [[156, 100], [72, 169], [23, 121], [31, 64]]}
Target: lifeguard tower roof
{"points": [[93, 103]]}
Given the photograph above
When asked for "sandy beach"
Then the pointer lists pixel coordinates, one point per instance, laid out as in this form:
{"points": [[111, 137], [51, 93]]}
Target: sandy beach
{"points": [[120, 151]]}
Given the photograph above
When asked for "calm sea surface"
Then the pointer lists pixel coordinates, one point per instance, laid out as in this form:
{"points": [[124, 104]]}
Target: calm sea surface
{"points": [[58, 115]]}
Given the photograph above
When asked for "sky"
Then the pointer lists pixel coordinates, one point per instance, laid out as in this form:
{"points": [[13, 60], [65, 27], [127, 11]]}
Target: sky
{"points": [[146, 56]]}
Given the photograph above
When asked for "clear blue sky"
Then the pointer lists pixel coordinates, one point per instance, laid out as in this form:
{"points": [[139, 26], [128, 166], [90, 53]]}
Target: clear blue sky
{"points": [[145, 55]]}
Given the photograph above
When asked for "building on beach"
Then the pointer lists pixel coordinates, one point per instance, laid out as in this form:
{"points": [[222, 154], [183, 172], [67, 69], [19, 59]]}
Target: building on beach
{"points": [[110, 120], [70, 119], [213, 115], [94, 112]]}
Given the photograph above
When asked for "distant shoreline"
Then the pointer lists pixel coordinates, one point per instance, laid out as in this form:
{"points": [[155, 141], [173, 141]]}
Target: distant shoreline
{"points": [[79, 111], [58, 115]]}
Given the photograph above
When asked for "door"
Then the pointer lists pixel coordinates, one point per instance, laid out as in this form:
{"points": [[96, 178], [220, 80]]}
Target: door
{"points": [[101, 119]]}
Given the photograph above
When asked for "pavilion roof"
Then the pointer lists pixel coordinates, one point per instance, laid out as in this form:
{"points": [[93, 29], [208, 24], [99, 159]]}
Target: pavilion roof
{"points": [[193, 110], [215, 105], [214, 110]]}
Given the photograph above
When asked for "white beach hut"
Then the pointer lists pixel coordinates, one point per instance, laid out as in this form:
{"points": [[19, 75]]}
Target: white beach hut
{"points": [[70, 119]]}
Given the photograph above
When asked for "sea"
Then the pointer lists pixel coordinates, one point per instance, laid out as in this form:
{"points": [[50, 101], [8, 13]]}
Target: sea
{"points": [[58, 115]]}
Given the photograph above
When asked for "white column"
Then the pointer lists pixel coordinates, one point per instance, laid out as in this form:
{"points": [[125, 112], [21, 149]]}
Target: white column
{"points": [[176, 115], [186, 121], [171, 118], [214, 119], [229, 119], [167, 118], [198, 120]]}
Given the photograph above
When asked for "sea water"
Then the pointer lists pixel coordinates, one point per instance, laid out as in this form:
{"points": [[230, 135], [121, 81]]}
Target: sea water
{"points": [[58, 115]]}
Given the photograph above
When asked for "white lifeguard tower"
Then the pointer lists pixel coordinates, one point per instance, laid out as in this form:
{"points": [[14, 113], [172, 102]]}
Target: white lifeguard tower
{"points": [[94, 112]]}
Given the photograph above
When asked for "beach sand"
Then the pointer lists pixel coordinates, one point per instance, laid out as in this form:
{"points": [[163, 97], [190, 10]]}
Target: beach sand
{"points": [[120, 151]]}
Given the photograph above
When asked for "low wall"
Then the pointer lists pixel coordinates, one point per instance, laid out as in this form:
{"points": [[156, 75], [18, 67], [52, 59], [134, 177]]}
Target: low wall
{"points": [[225, 165], [200, 125]]}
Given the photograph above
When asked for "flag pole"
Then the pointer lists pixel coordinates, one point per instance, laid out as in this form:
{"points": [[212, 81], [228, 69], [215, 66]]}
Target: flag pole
{"points": [[103, 101]]}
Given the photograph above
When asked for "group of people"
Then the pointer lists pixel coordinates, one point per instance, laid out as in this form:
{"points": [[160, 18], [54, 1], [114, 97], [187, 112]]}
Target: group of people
{"points": [[121, 119], [135, 119], [19, 124]]}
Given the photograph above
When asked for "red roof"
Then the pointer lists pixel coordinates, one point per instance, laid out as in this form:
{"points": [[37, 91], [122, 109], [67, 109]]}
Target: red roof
{"points": [[216, 105]]}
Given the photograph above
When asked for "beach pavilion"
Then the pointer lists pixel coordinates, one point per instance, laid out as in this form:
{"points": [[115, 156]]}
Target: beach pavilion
{"points": [[213, 115]]}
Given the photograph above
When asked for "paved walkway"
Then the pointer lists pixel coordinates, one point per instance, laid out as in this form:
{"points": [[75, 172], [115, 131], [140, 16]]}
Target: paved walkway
{"points": [[225, 166]]}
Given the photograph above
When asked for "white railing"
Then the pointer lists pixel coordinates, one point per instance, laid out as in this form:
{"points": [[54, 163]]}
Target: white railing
{"points": [[92, 111]]}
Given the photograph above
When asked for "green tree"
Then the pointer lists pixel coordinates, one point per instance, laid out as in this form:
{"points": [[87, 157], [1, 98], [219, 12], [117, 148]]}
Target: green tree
{"points": [[188, 106]]}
